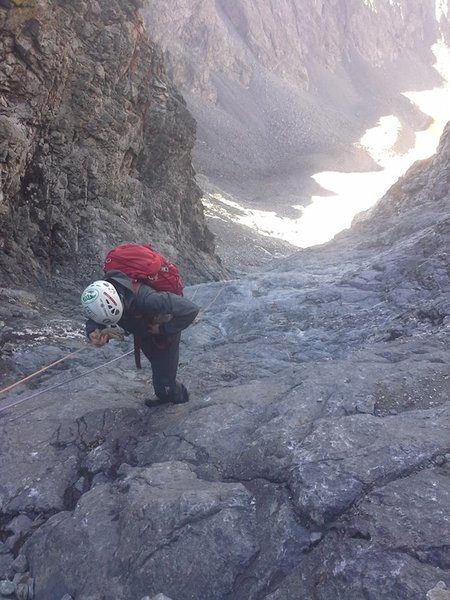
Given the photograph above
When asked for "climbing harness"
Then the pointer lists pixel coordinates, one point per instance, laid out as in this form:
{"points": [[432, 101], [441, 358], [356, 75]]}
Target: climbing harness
{"points": [[57, 385]]}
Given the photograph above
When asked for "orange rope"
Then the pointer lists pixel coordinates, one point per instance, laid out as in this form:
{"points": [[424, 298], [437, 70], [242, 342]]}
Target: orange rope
{"points": [[10, 387], [57, 385]]}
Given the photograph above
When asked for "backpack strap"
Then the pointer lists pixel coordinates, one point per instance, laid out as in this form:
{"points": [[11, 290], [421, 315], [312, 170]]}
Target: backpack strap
{"points": [[137, 353], [137, 344]]}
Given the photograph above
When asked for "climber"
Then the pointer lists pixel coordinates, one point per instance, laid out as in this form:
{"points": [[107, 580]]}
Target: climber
{"points": [[155, 318]]}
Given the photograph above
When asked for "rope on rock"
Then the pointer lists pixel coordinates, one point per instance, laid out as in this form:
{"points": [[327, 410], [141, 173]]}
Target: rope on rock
{"points": [[114, 333], [202, 312], [57, 385], [56, 362]]}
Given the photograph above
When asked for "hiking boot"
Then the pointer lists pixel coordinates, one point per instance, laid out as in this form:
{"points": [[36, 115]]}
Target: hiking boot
{"points": [[181, 394], [156, 401]]}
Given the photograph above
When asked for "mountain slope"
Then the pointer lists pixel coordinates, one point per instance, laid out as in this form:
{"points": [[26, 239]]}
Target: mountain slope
{"points": [[312, 460], [282, 87], [282, 91]]}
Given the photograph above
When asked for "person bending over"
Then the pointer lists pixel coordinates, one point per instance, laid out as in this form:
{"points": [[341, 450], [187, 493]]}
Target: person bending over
{"points": [[156, 319]]}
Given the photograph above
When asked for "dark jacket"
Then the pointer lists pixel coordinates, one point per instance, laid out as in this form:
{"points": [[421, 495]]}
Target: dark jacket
{"points": [[145, 305]]}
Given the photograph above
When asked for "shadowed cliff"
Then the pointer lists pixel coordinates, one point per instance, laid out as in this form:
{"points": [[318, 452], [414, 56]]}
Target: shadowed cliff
{"points": [[95, 145]]}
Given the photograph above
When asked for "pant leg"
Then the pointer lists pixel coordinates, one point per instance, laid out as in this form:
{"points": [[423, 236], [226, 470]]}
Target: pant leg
{"points": [[164, 361]]}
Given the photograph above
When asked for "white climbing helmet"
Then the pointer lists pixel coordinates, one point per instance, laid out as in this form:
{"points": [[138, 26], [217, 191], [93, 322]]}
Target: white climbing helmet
{"points": [[102, 303]]}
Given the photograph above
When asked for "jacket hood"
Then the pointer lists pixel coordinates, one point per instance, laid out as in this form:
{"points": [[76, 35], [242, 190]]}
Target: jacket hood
{"points": [[121, 278]]}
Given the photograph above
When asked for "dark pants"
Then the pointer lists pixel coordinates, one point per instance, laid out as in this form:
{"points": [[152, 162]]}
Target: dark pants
{"points": [[163, 353]]}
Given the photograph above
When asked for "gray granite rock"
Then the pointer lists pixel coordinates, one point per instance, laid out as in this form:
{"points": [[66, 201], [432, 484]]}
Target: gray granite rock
{"points": [[95, 145], [308, 462], [20, 564], [7, 588], [439, 592], [173, 522], [6, 562]]}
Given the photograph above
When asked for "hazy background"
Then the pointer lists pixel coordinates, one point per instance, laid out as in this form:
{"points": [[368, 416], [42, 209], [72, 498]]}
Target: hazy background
{"points": [[306, 113]]}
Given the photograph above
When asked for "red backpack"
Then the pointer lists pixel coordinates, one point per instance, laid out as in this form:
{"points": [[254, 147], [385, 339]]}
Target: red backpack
{"points": [[144, 265]]}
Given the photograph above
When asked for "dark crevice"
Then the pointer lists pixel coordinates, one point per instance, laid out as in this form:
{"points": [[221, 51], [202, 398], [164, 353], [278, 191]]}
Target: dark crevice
{"points": [[37, 518], [427, 463], [436, 556], [73, 494]]}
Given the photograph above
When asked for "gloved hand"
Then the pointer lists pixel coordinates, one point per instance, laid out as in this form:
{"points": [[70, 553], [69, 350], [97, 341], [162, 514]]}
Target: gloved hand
{"points": [[99, 337], [114, 332]]}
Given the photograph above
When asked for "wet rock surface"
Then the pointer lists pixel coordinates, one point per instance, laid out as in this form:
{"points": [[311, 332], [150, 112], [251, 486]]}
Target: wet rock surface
{"points": [[313, 460]]}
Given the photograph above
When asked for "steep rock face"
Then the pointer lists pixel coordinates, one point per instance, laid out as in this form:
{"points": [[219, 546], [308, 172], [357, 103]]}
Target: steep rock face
{"points": [[94, 144], [284, 90], [288, 38], [281, 88]]}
